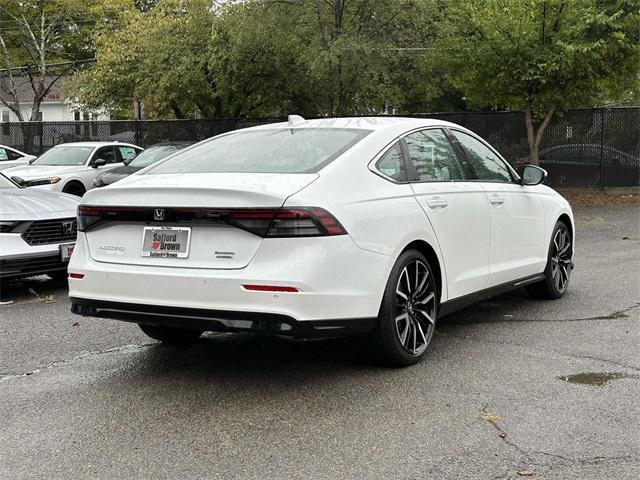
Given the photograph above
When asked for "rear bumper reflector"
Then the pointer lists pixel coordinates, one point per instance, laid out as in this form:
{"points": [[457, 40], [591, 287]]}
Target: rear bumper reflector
{"points": [[270, 288]]}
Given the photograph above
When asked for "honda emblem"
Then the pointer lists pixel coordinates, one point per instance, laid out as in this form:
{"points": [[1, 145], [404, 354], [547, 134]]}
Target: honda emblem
{"points": [[158, 214], [69, 228]]}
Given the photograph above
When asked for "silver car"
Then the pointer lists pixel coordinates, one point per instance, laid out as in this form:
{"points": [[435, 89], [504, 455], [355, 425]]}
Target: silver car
{"points": [[37, 231]]}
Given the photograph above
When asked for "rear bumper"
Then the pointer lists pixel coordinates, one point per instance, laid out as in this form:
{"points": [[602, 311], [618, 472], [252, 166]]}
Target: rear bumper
{"points": [[221, 320], [335, 279]]}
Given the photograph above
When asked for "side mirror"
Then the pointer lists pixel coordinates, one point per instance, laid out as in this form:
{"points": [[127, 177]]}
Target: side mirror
{"points": [[532, 175], [98, 162]]}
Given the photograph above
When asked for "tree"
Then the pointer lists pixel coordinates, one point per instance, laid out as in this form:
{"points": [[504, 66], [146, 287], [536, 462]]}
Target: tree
{"points": [[44, 40], [159, 57], [185, 58], [541, 56]]}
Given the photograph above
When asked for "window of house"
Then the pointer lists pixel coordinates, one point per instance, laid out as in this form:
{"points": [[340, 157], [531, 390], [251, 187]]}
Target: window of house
{"points": [[4, 117]]}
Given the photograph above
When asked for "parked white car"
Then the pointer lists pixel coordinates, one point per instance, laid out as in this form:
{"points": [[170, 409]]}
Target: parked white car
{"points": [[320, 228], [72, 167], [11, 157], [37, 231]]}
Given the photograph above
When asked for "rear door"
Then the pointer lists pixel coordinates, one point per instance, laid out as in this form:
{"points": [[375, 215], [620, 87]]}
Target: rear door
{"points": [[456, 208], [518, 243]]}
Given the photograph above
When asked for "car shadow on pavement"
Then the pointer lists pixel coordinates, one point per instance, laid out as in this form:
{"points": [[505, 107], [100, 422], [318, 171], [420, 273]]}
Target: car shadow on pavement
{"points": [[36, 288]]}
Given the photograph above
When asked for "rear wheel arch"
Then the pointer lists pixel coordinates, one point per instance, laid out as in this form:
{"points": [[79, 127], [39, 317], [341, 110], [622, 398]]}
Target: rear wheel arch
{"points": [[432, 257]]}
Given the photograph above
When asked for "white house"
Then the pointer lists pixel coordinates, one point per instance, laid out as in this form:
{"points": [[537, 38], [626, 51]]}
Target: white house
{"points": [[53, 108]]}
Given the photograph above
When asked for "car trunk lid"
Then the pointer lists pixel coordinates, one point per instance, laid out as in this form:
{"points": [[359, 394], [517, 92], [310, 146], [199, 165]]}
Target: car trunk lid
{"points": [[195, 206]]}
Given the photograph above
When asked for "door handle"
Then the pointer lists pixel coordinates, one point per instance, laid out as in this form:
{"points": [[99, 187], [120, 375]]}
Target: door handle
{"points": [[496, 200], [437, 202]]}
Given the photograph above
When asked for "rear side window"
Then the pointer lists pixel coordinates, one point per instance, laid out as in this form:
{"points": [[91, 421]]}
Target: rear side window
{"points": [[290, 150], [392, 164], [127, 153], [485, 163], [433, 157]]}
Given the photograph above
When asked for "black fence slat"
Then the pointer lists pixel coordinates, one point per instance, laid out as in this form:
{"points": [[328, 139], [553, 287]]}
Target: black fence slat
{"points": [[581, 148]]}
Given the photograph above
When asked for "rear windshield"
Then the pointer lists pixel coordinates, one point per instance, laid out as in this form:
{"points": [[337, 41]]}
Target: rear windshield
{"points": [[302, 150], [153, 154]]}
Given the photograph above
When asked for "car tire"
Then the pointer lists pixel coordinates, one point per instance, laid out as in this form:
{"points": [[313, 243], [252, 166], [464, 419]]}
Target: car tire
{"points": [[74, 188], [170, 335], [559, 265], [407, 316]]}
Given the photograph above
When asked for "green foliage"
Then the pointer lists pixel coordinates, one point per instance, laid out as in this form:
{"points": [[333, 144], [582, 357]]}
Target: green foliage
{"points": [[264, 58], [541, 54], [193, 58], [45, 40]]}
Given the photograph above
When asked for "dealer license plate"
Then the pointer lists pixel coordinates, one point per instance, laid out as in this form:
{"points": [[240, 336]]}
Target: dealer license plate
{"points": [[66, 250], [166, 242]]}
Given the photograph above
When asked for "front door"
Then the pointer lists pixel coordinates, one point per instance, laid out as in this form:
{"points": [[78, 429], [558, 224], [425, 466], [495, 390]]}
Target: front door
{"points": [[518, 243]]}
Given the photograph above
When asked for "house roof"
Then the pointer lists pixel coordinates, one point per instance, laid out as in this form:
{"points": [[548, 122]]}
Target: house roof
{"points": [[25, 92]]}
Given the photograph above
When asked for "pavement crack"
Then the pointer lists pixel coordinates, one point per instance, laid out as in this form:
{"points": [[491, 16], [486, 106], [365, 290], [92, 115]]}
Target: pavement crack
{"points": [[616, 315], [530, 455], [604, 360], [55, 363]]}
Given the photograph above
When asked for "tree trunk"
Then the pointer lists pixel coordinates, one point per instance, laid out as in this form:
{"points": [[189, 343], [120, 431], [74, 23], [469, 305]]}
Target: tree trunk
{"points": [[534, 135]]}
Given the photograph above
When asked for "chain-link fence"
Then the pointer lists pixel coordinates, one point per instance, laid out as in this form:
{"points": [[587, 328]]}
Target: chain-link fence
{"points": [[581, 148]]}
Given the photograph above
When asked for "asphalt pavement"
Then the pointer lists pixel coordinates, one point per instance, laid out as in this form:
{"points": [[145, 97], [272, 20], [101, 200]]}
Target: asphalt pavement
{"points": [[510, 388]]}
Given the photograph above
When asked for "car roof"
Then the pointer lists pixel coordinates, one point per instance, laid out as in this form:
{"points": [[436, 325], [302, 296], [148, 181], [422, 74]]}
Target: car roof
{"points": [[95, 144], [363, 123]]}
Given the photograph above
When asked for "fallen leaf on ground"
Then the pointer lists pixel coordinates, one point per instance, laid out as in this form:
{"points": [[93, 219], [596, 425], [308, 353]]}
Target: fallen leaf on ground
{"points": [[525, 473], [490, 417], [76, 324]]}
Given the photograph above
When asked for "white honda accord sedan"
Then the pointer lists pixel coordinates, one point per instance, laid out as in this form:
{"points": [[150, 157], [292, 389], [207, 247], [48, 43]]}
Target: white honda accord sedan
{"points": [[320, 228]]}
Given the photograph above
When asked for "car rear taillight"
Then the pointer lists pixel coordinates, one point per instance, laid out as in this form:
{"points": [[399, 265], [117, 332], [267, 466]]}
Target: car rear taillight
{"points": [[287, 222], [89, 216], [264, 222]]}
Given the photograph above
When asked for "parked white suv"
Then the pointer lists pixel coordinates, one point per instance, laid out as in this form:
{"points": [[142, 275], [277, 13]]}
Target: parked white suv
{"points": [[37, 231], [72, 167]]}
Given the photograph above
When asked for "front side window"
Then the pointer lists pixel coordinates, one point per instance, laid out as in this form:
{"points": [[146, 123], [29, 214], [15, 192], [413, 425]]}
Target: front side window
{"points": [[4, 154], [392, 164], [433, 157], [106, 153], [484, 162], [64, 155], [282, 150]]}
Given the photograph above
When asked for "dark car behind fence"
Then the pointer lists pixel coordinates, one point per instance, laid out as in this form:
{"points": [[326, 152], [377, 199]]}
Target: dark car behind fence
{"points": [[581, 148]]}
